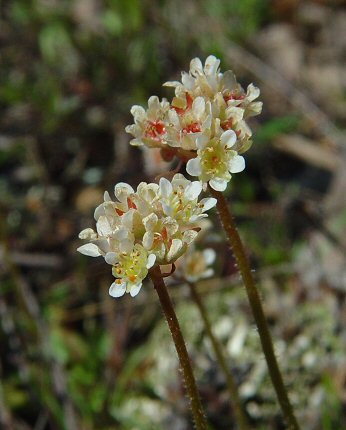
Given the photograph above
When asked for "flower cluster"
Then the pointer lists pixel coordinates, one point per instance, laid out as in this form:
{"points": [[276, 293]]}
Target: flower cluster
{"points": [[196, 264], [207, 116], [152, 225]]}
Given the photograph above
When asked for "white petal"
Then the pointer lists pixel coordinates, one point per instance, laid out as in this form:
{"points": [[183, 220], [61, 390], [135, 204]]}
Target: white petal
{"points": [[138, 112], [126, 245], [131, 129], [154, 103], [179, 179], [197, 217], [206, 125], [150, 222], [209, 256], [198, 106], [193, 190], [173, 117], [236, 164], [202, 141], [87, 234], [228, 138], [254, 109], [174, 250], [127, 219], [235, 113], [120, 234], [136, 142], [89, 249], [189, 236], [148, 239], [171, 225], [166, 188], [111, 258], [122, 191], [103, 227], [103, 246], [252, 92], [211, 65], [117, 290], [245, 129], [151, 261], [187, 80], [196, 66], [229, 80], [167, 210], [134, 289], [171, 84], [208, 203], [160, 251], [193, 167], [218, 184], [99, 211]]}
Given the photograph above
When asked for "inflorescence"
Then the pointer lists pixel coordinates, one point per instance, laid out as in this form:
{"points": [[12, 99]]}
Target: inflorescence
{"points": [[155, 224]]}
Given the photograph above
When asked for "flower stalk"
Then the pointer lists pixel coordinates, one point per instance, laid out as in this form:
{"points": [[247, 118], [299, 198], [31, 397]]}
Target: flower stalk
{"points": [[231, 384], [229, 226], [173, 324]]}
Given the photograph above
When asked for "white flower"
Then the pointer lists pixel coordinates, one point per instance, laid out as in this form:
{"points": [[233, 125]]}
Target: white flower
{"points": [[236, 96], [203, 97], [216, 160], [179, 199], [195, 264], [151, 225], [207, 81], [186, 121], [149, 128], [130, 268], [165, 239], [200, 80]]}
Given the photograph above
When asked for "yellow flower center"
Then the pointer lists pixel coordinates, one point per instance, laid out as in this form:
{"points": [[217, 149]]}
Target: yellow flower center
{"points": [[132, 266]]}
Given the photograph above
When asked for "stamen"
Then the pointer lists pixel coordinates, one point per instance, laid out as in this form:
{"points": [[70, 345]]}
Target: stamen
{"points": [[131, 204]]}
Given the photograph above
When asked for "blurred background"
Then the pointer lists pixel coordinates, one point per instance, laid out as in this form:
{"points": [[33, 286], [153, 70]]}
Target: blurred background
{"points": [[72, 357]]}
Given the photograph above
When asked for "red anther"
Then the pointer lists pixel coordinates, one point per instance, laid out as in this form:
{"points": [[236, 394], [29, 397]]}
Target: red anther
{"points": [[227, 124], [233, 96], [131, 204], [155, 129], [194, 127], [164, 234], [179, 111], [119, 212], [189, 101]]}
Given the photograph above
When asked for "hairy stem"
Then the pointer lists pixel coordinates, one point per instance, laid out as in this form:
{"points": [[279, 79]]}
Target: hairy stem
{"points": [[255, 302], [231, 385], [185, 364]]}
